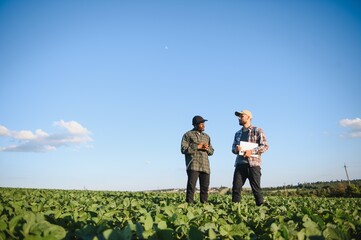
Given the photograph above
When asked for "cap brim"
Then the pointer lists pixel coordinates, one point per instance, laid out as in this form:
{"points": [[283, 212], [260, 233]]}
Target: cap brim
{"points": [[195, 124], [237, 114]]}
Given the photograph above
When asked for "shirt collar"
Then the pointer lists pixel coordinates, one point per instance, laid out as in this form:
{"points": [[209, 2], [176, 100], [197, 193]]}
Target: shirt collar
{"points": [[249, 128], [196, 132]]}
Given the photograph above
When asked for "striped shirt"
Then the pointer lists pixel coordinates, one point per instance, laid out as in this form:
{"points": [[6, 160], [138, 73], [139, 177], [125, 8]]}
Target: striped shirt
{"points": [[255, 135], [195, 158]]}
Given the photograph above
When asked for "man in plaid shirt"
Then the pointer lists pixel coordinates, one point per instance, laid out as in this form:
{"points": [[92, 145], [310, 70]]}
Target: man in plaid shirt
{"points": [[248, 162], [196, 146]]}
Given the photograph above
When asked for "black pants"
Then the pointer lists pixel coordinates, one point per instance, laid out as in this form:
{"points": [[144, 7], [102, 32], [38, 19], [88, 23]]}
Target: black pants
{"points": [[241, 173], [191, 185]]}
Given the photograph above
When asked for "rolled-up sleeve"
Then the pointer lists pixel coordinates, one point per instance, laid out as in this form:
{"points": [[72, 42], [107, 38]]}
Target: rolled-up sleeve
{"points": [[188, 147], [262, 143]]}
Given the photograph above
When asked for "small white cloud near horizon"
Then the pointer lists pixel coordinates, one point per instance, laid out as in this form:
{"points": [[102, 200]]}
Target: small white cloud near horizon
{"points": [[40, 141], [354, 125]]}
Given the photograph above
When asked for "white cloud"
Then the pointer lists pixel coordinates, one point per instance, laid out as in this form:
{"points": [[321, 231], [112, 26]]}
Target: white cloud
{"points": [[4, 131], [72, 127], [23, 135], [41, 141], [354, 125], [41, 133]]}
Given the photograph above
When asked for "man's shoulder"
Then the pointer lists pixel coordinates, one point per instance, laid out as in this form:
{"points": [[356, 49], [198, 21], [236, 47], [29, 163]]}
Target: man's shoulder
{"points": [[239, 132], [189, 132], [257, 127], [257, 130]]}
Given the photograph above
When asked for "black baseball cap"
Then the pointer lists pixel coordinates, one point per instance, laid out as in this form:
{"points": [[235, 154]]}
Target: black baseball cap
{"points": [[197, 120]]}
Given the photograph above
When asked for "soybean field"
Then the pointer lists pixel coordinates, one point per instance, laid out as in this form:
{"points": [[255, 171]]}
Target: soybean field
{"points": [[69, 214]]}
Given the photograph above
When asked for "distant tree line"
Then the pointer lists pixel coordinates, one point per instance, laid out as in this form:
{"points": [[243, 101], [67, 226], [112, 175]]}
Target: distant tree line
{"points": [[350, 189], [319, 189]]}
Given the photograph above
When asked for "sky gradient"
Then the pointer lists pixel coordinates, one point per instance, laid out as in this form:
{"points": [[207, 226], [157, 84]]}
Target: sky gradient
{"points": [[97, 94]]}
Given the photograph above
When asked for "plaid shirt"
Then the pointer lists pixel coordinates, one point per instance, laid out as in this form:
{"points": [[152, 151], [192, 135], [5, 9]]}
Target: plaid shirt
{"points": [[256, 135], [196, 159]]}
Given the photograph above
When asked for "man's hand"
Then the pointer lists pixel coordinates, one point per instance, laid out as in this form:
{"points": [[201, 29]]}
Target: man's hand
{"points": [[203, 146], [247, 153]]}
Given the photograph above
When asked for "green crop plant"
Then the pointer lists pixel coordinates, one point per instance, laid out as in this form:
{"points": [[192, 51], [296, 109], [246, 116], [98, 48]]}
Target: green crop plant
{"points": [[63, 214]]}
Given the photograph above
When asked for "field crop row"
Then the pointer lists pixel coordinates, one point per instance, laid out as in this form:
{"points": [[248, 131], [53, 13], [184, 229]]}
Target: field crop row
{"points": [[60, 214]]}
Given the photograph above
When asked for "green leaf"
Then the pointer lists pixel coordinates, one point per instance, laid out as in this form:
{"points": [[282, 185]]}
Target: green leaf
{"points": [[148, 224], [274, 227], [209, 208], [312, 229], [180, 219], [2, 236], [126, 202], [332, 232], [212, 234], [13, 223], [3, 225], [301, 234], [55, 231], [162, 225], [31, 237], [29, 218], [225, 230], [148, 233], [115, 234], [284, 231], [57, 214], [168, 210], [190, 215], [209, 225], [134, 203]]}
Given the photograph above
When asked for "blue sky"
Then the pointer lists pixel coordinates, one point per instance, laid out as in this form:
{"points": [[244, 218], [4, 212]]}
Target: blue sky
{"points": [[97, 94]]}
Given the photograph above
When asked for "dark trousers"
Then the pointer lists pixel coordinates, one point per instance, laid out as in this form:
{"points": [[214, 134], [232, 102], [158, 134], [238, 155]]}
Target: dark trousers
{"points": [[241, 173], [191, 185]]}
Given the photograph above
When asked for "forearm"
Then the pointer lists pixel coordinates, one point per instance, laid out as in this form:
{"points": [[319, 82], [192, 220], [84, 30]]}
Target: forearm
{"points": [[236, 140], [189, 148], [262, 147], [210, 150], [234, 147]]}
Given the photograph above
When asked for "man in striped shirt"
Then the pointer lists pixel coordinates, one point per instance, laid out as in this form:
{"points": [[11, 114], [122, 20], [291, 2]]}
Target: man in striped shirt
{"points": [[196, 146], [248, 162]]}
